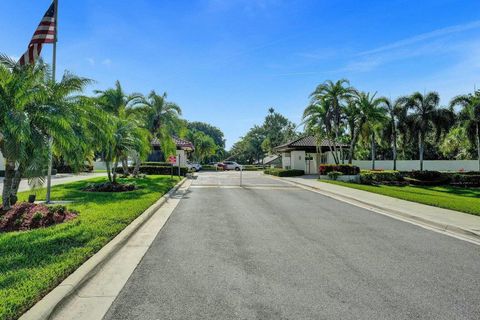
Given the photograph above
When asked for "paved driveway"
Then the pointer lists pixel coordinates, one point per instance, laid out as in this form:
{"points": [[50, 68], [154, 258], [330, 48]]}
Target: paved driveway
{"points": [[273, 251]]}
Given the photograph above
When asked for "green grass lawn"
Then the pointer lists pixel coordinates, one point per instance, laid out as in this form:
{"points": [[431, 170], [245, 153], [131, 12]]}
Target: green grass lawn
{"points": [[34, 262], [454, 198]]}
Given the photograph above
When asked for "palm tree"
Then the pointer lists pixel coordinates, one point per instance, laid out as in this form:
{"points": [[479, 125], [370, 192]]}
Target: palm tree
{"points": [[162, 120], [204, 145], [335, 95], [317, 118], [353, 119], [469, 117], [394, 110], [122, 105], [427, 116], [33, 109], [372, 117]]}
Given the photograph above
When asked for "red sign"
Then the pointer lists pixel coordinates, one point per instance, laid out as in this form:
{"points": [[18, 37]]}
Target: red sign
{"points": [[172, 159]]}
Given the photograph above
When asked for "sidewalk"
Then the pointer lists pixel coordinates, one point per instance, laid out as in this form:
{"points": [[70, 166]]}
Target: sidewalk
{"points": [[450, 221], [58, 179]]}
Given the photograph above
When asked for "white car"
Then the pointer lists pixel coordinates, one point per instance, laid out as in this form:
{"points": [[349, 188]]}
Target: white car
{"points": [[232, 165], [193, 166]]}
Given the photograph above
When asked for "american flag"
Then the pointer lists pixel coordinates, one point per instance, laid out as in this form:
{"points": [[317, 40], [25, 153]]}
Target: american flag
{"points": [[45, 33]]}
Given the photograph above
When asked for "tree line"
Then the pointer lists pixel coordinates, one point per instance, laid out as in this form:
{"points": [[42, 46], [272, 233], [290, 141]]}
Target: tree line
{"points": [[40, 117], [261, 140], [362, 125], [414, 126]]}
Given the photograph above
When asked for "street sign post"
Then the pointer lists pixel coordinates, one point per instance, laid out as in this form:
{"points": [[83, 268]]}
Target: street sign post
{"points": [[172, 160]]}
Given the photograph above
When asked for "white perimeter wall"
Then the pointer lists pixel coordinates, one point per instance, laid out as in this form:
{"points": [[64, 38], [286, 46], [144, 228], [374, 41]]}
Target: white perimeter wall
{"points": [[409, 165]]}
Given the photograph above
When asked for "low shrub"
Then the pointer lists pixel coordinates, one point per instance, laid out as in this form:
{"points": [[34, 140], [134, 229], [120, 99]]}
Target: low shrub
{"points": [[345, 169], [334, 175], [284, 172], [465, 180], [156, 164], [110, 187], [157, 170], [427, 178], [381, 177]]}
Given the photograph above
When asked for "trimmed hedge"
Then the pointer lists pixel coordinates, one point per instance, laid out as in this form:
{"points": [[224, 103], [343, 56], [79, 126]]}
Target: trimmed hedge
{"points": [[158, 170], [381, 177], [465, 180], [345, 169], [427, 178], [284, 173], [156, 164]]}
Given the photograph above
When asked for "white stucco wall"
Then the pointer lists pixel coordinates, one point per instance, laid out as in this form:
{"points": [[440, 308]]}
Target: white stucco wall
{"points": [[286, 164], [297, 159], [2, 163], [409, 165]]}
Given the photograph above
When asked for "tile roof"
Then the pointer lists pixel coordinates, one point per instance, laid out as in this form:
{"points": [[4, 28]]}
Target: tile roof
{"points": [[180, 143], [307, 141]]}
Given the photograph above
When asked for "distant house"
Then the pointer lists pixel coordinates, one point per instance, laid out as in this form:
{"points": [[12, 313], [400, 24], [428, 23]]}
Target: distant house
{"points": [[306, 154], [184, 150]]}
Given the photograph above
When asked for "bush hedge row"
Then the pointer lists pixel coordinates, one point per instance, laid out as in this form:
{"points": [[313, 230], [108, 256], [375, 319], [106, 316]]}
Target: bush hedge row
{"points": [[345, 169], [284, 172], [158, 170], [421, 178], [380, 177]]}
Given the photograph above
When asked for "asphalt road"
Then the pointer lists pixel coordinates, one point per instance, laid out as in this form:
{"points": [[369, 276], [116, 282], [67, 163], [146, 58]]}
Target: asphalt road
{"points": [[273, 251]]}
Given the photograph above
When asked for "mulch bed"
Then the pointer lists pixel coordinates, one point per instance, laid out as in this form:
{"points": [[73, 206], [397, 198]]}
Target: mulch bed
{"points": [[27, 216], [110, 187]]}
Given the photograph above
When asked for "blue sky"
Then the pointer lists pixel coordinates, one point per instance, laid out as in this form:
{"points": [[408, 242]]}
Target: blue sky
{"points": [[227, 61]]}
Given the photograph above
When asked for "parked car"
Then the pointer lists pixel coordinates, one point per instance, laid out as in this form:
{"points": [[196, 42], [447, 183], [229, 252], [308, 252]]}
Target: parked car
{"points": [[193, 166], [232, 165]]}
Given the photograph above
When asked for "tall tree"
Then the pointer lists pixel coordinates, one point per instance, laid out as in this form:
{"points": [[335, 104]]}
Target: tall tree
{"points": [[335, 95], [34, 108], [212, 131], [121, 105], [372, 119], [278, 129], [394, 110], [469, 117], [426, 116], [162, 120]]}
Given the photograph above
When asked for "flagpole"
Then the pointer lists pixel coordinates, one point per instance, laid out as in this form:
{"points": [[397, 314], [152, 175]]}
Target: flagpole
{"points": [[50, 140]]}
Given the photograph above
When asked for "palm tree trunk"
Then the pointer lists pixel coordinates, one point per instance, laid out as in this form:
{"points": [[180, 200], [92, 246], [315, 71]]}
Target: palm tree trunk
{"points": [[478, 145], [136, 170], [373, 151], [125, 166], [7, 183], [420, 141], [394, 138], [109, 170], [115, 165], [16, 184]]}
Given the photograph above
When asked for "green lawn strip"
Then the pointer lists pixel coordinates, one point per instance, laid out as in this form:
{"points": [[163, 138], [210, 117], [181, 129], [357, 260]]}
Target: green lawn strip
{"points": [[33, 262], [455, 198]]}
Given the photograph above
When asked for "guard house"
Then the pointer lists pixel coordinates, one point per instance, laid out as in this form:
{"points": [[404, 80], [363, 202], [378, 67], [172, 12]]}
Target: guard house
{"points": [[307, 154], [184, 150]]}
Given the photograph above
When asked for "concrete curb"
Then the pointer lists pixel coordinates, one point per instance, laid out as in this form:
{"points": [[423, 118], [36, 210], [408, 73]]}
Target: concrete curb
{"points": [[43, 309], [448, 228]]}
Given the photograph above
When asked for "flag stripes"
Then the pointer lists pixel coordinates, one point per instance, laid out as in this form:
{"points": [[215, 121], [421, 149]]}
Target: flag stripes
{"points": [[45, 33]]}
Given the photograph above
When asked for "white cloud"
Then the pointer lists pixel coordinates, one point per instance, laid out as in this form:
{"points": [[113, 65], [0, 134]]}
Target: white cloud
{"points": [[91, 61], [107, 62], [424, 36]]}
